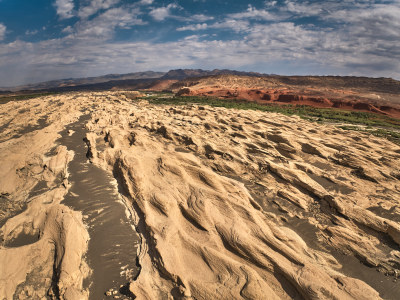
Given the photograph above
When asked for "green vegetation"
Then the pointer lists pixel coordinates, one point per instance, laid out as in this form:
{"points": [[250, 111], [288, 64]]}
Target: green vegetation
{"points": [[378, 125], [8, 98]]}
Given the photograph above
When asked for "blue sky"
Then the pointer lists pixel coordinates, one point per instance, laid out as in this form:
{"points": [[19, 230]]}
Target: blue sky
{"points": [[52, 39]]}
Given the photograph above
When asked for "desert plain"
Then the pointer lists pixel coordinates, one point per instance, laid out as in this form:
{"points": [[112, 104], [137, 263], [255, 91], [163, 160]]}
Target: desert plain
{"points": [[109, 195]]}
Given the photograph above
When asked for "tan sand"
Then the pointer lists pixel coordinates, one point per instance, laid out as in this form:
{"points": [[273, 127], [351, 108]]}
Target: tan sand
{"points": [[229, 204]]}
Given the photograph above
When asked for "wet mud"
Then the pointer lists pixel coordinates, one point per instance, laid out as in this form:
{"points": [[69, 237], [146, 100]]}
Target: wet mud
{"points": [[113, 240]]}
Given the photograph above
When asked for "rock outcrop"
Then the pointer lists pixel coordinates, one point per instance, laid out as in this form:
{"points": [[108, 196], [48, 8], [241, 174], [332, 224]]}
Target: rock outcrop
{"points": [[275, 90]]}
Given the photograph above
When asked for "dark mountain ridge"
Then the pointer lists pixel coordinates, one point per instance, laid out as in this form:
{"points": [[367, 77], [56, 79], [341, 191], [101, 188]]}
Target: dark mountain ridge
{"points": [[190, 73], [77, 82], [148, 79]]}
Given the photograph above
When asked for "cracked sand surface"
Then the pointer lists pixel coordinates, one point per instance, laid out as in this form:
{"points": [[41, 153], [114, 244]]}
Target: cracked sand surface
{"points": [[229, 204]]}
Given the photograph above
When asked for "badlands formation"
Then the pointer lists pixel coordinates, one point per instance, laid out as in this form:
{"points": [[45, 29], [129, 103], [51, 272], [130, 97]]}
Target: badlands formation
{"points": [[223, 203]]}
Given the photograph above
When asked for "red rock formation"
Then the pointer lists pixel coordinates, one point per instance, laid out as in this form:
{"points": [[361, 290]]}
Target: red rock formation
{"points": [[283, 96]]}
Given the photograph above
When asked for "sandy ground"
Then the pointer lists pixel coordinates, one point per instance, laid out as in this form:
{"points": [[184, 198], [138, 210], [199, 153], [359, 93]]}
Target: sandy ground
{"points": [[228, 204]]}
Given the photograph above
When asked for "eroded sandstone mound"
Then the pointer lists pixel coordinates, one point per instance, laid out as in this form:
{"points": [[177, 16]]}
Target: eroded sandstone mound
{"points": [[229, 204], [268, 90], [218, 194], [43, 241]]}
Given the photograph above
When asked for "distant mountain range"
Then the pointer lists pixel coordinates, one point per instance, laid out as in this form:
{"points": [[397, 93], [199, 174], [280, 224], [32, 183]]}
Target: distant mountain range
{"points": [[120, 80], [180, 74], [71, 82], [187, 77]]}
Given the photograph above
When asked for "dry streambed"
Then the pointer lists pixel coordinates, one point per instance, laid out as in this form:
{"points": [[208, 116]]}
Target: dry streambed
{"points": [[227, 204], [113, 240]]}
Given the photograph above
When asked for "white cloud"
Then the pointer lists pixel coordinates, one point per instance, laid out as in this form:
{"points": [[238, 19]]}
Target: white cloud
{"points": [[103, 26], [285, 37], [65, 8], [192, 18], [164, 12], [31, 32], [161, 13], [67, 29], [235, 25], [253, 13], [194, 27], [3, 29], [270, 3], [361, 28], [146, 2], [94, 6], [309, 9], [200, 18]]}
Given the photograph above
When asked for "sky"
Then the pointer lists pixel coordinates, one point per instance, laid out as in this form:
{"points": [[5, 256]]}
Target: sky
{"points": [[43, 40]]}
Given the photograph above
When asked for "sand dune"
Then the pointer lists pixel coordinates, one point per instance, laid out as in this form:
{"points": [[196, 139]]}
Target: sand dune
{"points": [[228, 204]]}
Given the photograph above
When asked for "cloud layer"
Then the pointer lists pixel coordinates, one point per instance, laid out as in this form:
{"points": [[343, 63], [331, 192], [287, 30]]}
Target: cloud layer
{"points": [[64, 8], [2, 31], [304, 37]]}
